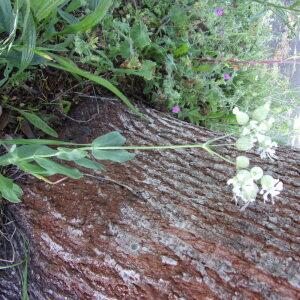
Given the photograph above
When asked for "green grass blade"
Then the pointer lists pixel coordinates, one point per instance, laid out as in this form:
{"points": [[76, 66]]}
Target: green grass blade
{"points": [[75, 4], [6, 15], [47, 8], [29, 40], [11, 266], [70, 19], [67, 65], [89, 21]]}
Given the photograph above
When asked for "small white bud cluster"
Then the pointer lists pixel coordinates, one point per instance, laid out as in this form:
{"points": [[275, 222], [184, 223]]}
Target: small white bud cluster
{"points": [[255, 131], [247, 180]]}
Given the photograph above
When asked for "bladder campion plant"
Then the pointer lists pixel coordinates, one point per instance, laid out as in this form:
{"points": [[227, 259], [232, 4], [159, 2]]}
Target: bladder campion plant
{"points": [[36, 157]]}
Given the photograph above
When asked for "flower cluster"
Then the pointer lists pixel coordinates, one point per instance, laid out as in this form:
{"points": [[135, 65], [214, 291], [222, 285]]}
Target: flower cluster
{"points": [[255, 131], [247, 180], [245, 183]]}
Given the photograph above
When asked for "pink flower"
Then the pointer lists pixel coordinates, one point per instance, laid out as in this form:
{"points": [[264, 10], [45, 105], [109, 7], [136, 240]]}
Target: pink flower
{"points": [[219, 11], [227, 76], [176, 109]]}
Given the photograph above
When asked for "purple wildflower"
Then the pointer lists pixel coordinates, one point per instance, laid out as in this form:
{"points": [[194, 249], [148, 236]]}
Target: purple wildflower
{"points": [[176, 109], [227, 76], [219, 11]]}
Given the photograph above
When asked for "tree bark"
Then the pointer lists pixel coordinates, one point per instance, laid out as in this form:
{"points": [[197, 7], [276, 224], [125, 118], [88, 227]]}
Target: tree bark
{"points": [[163, 226]]}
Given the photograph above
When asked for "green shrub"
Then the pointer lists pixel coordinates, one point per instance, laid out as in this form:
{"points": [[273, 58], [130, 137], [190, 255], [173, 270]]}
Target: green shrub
{"points": [[185, 55]]}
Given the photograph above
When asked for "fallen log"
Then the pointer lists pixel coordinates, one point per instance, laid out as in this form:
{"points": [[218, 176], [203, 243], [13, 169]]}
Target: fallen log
{"points": [[163, 226]]}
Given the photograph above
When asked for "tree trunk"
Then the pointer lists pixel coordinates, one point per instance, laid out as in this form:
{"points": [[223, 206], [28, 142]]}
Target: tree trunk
{"points": [[163, 226]]}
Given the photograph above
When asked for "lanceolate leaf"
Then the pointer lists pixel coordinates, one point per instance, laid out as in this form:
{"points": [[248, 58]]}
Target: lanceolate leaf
{"points": [[67, 65], [89, 21], [56, 168], [34, 169], [90, 164], [67, 17], [6, 15], [9, 190], [46, 8], [119, 156], [110, 139], [39, 123], [29, 41], [29, 151], [71, 154]]}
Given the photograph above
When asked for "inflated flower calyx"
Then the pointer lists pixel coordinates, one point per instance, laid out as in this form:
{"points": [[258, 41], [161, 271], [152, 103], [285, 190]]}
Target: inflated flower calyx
{"points": [[241, 117], [242, 162], [243, 175], [249, 191], [256, 173], [244, 143], [261, 113], [267, 182]]}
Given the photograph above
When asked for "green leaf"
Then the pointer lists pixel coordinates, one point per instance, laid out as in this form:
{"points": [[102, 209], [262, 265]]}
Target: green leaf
{"points": [[68, 17], [146, 71], [75, 4], [67, 65], [25, 151], [34, 169], [47, 7], [70, 154], [34, 142], [87, 163], [140, 36], [178, 16], [56, 168], [6, 15], [38, 122], [29, 151], [203, 68], [113, 138], [119, 156], [6, 159], [29, 42], [181, 50], [9, 190], [89, 21]]}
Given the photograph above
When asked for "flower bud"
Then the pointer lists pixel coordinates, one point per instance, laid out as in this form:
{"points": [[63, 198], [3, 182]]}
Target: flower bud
{"points": [[242, 162], [256, 173], [261, 113], [241, 117], [244, 143]]}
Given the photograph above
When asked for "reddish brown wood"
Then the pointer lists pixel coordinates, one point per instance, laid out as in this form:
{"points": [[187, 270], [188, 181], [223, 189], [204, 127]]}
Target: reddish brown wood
{"points": [[163, 226]]}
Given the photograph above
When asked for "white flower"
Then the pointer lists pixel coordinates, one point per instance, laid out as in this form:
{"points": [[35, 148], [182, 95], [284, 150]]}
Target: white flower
{"points": [[244, 187], [266, 147], [270, 187]]}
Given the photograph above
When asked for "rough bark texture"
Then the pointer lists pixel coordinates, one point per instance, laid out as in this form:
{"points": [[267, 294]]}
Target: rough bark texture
{"points": [[163, 226]]}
